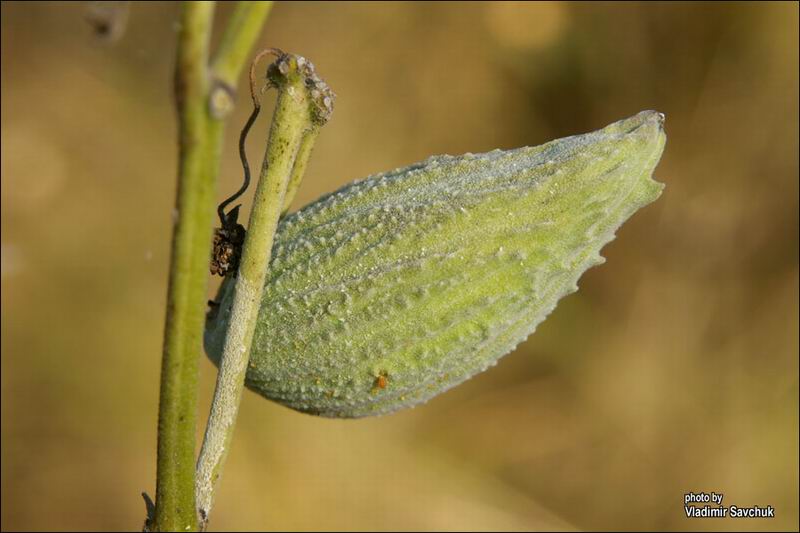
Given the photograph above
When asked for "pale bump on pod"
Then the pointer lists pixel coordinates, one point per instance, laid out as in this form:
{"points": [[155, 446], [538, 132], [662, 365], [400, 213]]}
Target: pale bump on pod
{"points": [[398, 287]]}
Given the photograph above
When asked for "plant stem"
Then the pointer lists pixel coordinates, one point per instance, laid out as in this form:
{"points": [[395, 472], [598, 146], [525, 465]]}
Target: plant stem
{"points": [[237, 40], [177, 414], [291, 121], [201, 132], [300, 164]]}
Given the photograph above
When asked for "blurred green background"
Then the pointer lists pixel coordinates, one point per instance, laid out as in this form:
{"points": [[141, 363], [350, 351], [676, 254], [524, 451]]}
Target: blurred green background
{"points": [[673, 369]]}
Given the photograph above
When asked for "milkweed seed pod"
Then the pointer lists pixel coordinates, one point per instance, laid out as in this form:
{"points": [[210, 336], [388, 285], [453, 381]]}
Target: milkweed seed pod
{"points": [[397, 287]]}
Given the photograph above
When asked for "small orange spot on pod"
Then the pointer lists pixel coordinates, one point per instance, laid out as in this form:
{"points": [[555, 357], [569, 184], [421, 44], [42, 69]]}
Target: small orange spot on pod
{"points": [[381, 381]]}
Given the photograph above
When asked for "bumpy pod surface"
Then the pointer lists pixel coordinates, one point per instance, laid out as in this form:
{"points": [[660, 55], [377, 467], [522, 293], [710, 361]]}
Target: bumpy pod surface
{"points": [[397, 287]]}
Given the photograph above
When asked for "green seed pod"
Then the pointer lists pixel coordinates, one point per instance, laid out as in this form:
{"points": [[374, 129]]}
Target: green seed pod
{"points": [[396, 288]]}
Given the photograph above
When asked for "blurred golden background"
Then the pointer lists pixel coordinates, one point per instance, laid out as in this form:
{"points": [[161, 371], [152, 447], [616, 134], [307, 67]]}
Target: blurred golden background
{"points": [[673, 369]]}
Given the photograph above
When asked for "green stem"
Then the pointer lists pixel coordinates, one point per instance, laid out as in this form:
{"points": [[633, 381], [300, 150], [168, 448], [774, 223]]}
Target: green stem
{"points": [[201, 132], [177, 414], [241, 33], [300, 164], [291, 121]]}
